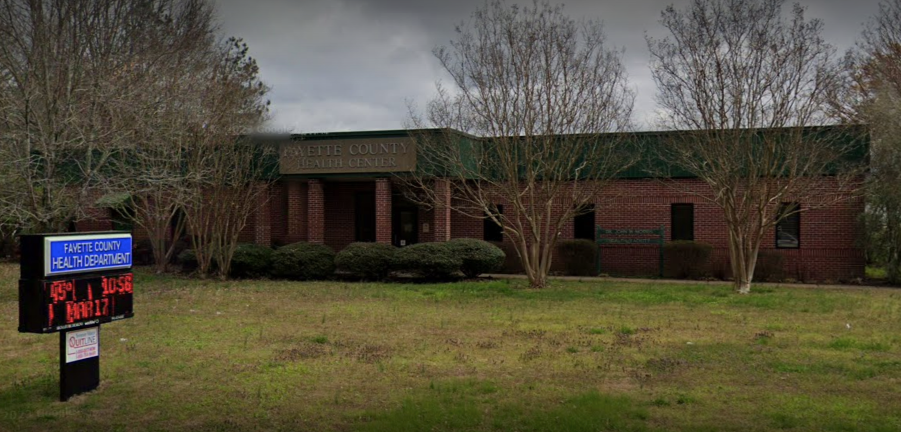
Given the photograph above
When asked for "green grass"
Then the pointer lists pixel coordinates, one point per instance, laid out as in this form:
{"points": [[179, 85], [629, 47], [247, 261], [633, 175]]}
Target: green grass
{"points": [[876, 272], [470, 356]]}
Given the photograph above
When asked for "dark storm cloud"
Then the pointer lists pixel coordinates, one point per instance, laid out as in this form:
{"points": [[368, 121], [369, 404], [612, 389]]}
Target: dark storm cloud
{"points": [[352, 64]]}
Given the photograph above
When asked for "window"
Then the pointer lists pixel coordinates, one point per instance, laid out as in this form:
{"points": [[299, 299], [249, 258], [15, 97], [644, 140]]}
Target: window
{"points": [[682, 221], [491, 230], [788, 230], [583, 224]]}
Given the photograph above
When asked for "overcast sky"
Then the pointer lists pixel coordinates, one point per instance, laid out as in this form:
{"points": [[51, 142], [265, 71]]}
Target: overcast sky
{"points": [[339, 65]]}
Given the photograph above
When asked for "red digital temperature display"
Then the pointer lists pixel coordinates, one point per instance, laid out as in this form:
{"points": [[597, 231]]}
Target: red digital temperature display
{"points": [[76, 302]]}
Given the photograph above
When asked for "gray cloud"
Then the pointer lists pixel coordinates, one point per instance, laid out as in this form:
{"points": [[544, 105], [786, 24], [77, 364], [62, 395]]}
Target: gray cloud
{"points": [[351, 64]]}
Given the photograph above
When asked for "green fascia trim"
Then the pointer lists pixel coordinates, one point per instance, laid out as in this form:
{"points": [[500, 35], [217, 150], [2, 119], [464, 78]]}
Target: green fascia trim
{"points": [[645, 168], [353, 134], [650, 164], [111, 200]]}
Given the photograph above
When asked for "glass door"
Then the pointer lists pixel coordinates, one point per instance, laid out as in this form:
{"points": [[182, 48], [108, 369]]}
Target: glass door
{"points": [[406, 222]]}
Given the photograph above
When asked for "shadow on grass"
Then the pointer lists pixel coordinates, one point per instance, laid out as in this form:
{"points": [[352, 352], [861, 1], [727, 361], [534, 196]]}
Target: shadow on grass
{"points": [[31, 399], [470, 406]]}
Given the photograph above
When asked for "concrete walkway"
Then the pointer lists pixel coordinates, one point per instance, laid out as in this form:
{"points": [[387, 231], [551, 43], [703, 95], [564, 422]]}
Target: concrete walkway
{"points": [[686, 282]]}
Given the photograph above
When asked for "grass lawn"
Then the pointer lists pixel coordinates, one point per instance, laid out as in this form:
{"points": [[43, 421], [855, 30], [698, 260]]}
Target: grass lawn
{"points": [[471, 356], [876, 273]]}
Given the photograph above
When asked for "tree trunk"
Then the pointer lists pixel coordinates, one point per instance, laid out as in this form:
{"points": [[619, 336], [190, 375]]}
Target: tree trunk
{"points": [[743, 250], [738, 258], [533, 263], [160, 255], [539, 281]]}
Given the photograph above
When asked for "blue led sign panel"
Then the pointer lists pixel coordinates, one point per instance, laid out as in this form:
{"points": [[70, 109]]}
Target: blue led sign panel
{"points": [[86, 253]]}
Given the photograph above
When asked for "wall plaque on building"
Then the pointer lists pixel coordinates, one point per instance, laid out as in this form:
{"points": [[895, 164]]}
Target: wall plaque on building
{"points": [[365, 155]]}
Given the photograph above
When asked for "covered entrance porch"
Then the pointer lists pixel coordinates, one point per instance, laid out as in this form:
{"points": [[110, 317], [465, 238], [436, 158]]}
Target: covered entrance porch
{"points": [[340, 211]]}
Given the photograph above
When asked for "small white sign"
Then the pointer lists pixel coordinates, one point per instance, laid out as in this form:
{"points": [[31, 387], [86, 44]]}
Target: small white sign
{"points": [[82, 344]]}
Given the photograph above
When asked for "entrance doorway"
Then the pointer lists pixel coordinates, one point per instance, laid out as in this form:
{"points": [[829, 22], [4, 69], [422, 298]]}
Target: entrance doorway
{"points": [[404, 225], [364, 217]]}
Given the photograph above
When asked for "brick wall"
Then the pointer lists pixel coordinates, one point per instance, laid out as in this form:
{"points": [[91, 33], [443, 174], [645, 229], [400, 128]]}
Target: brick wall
{"points": [[340, 211], [280, 216], [316, 211], [827, 248], [278, 211], [98, 220], [323, 211], [297, 212], [383, 210]]}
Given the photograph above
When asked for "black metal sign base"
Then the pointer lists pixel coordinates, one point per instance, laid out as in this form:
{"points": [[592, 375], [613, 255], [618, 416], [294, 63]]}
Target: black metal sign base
{"points": [[78, 376]]}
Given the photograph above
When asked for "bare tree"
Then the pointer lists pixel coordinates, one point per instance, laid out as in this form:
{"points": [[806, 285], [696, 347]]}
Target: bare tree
{"points": [[228, 175], [872, 95], [749, 83], [541, 88], [138, 98], [64, 68], [161, 108]]}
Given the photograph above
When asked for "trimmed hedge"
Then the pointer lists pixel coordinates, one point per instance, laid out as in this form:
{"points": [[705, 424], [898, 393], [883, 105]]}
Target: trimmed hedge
{"points": [[686, 259], [478, 256], [579, 257], [251, 261], [431, 260], [303, 261], [370, 261]]}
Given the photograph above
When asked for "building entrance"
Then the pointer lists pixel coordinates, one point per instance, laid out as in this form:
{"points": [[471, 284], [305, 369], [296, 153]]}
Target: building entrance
{"points": [[404, 221], [364, 217]]}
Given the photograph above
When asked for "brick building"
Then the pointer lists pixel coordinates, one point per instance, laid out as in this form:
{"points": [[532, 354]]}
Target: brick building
{"points": [[338, 188]]}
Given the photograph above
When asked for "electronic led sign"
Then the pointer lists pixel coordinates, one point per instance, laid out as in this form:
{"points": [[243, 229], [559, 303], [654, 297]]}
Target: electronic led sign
{"points": [[72, 284]]}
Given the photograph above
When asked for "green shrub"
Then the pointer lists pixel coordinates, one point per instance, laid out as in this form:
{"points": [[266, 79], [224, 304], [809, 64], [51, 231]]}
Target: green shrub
{"points": [[478, 256], [371, 261], [181, 245], [686, 259], [303, 261], [251, 261], [769, 266], [188, 260], [431, 260], [578, 257]]}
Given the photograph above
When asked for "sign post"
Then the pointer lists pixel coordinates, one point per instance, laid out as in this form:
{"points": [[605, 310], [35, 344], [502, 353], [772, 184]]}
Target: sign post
{"points": [[73, 283], [660, 235]]}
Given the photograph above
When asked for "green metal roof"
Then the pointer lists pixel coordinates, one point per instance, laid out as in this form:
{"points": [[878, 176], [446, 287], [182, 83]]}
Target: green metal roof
{"points": [[648, 166]]}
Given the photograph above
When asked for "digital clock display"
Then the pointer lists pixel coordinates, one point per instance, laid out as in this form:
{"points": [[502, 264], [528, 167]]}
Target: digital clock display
{"points": [[75, 302]]}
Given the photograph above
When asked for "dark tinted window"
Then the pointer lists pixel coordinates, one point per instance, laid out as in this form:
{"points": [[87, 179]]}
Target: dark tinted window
{"points": [[583, 224], [491, 230], [683, 221], [788, 230]]}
